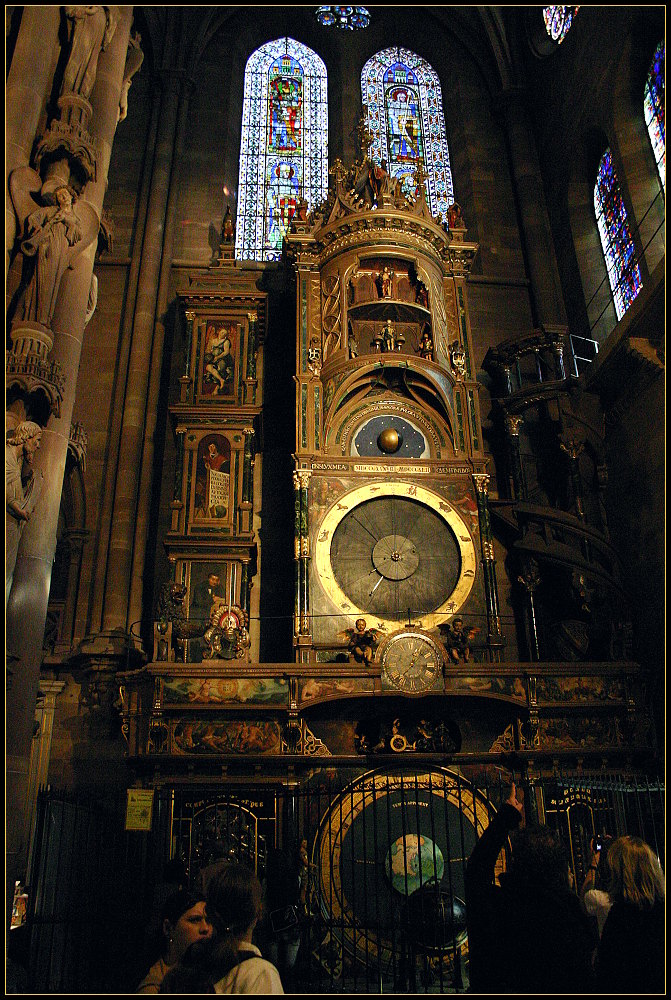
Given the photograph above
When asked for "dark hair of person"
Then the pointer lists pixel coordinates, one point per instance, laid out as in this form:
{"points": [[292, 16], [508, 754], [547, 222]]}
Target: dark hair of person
{"points": [[186, 979], [233, 905], [539, 860], [178, 903]]}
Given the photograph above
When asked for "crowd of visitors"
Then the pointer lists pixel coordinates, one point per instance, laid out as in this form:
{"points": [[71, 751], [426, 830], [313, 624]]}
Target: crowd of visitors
{"points": [[528, 931]]}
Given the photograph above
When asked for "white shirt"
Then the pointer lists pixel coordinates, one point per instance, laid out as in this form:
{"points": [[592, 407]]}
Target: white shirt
{"points": [[253, 975], [597, 904]]}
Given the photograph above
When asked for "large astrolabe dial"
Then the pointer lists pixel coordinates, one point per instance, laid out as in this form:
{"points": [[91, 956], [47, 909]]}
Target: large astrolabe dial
{"points": [[390, 847], [389, 549]]}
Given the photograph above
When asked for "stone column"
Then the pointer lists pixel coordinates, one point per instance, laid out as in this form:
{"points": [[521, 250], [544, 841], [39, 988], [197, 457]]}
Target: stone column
{"points": [[547, 298], [145, 493], [30, 76], [116, 601], [495, 635], [41, 750], [512, 425], [27, 607], [100, 552]]}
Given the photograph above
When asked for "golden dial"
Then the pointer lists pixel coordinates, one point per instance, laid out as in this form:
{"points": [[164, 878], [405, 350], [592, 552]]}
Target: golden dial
{"points": [[394, 549], [411, 662]]}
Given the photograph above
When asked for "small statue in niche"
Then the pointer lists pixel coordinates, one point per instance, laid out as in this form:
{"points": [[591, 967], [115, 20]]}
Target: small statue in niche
{"points": [[458, 639], [134, 59], [51, 231], [91, 31], [455, 219], [421, 294], [384, 282], [426, 345], [363, 642], [22, 489], [352, 346], [228, 227]]}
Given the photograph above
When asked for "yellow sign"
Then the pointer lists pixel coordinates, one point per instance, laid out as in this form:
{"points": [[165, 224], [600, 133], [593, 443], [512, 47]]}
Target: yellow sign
{"points": [[139, 807]]}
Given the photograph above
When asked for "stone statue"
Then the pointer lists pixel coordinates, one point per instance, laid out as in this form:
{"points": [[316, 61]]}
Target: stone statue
{"points": [[92, 300], [22, 489], [50, 233], [91, 30], [134, 59]]}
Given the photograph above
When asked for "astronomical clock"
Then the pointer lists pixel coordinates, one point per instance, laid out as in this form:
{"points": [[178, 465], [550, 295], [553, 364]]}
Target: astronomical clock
{"points": [[391, 524]]}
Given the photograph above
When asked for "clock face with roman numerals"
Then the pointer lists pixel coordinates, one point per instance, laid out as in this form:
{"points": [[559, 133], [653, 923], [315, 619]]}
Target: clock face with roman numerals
{"points": [[411, 662], [393, 550]]}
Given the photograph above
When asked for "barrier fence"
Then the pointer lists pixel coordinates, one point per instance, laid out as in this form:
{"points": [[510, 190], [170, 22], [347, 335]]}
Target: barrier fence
{"points": [[363, 871]]}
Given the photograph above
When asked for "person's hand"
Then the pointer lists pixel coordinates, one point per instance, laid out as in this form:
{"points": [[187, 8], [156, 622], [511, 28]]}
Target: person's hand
{"points": [[596, 855], [512, 801]]}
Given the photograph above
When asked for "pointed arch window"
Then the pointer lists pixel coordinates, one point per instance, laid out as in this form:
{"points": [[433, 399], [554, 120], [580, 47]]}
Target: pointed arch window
{"points": [[283, 147], [618, 247], [653, 109], [404, 109]]}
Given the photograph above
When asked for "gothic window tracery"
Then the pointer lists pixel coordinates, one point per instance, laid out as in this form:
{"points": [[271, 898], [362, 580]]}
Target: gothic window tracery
{"points": [[616, 241], [653, 109], [404, 107], [284, 145]]}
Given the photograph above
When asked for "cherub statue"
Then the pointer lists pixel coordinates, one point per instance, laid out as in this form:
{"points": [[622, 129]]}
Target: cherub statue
{"points": [[363, 641], [91, 30], [52, 233], [458, 639], [22, 489]]}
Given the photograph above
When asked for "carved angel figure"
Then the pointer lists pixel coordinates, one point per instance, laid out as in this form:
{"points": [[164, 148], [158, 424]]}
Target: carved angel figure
{"points": [[363, 641], [91, 30], [50, 233], [458, 639]]}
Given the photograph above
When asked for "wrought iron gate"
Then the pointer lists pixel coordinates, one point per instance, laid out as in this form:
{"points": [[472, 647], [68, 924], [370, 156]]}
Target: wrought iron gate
{"points": [[377, 861]]}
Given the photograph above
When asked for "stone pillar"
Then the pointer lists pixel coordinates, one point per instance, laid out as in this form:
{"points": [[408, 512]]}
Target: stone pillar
{"points": [[27, 607], [30, 76], [101, 550], [547, 299], [145, 493], [41, 750], [494, 633], [512, 425], [116, 601]]}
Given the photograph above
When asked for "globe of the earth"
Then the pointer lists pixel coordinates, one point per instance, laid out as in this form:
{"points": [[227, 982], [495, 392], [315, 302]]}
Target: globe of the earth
{"points": [[412, 861]]}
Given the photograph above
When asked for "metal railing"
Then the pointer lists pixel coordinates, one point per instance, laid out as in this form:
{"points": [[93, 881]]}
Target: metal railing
{"points": [[377, 860]]}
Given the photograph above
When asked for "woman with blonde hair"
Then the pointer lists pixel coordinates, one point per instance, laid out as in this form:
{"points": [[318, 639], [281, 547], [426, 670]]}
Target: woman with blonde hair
{"points": [[630, 957]]}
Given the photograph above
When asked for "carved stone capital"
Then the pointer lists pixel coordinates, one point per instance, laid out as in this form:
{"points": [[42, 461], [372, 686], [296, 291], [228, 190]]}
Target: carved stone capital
{"points": [[481, 482], [513, 424]]}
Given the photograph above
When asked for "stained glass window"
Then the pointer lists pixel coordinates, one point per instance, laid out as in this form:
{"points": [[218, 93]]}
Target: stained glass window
{"points": [[618, 247], [347, 18], [558, 21], [653, 109], [404, 106], [284, 145]]}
